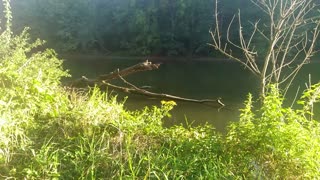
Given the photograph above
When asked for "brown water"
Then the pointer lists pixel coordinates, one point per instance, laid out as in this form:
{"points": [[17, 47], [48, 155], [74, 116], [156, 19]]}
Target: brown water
{"points": [[195, 78]]}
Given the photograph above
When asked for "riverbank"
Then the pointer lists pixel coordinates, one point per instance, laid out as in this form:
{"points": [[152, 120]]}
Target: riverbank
{"points": [[51, 132]]}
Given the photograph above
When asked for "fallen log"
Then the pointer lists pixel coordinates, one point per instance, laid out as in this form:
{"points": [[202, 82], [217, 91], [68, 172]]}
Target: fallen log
{"points": [[84, 81], [144, 66], [103, 80]]}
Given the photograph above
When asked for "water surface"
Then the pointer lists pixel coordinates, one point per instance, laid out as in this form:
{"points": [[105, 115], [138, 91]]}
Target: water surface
{"points": [[190, 78]]}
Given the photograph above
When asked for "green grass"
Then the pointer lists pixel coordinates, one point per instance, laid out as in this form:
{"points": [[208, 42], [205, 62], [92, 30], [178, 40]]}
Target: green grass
{"points": [[51, 132]]}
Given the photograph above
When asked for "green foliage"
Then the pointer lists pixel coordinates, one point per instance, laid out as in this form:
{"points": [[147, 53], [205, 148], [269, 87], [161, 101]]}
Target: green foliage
{"points": [[136, 27], [309, 98], [192, 153], [51, 132], [29, 81], [275, 142]]}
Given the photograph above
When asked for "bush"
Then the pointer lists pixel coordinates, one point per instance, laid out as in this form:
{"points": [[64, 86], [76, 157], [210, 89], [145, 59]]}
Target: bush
{"points": [[274, 142]]}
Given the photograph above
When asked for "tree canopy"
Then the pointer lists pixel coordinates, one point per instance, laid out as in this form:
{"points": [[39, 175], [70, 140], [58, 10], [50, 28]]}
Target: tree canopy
{"points": [[132, 27]]}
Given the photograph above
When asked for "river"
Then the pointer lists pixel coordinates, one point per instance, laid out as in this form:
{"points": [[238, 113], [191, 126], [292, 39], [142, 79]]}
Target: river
{"points": [[191, 78]]}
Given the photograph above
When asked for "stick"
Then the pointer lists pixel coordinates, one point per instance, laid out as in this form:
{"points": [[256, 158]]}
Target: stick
{"points": [[137, 90]]}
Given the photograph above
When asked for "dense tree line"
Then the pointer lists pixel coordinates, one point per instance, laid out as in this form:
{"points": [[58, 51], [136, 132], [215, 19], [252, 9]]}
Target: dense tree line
{"points": [[129, 27]]}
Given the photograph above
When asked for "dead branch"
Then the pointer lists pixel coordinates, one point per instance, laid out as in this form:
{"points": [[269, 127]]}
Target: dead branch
{"points": [[103, 80], [135, 89], [144, 66], [162, 95], [84, 81]]}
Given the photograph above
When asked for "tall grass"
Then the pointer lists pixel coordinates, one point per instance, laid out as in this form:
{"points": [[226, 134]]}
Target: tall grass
{"points": [[275, 142]]}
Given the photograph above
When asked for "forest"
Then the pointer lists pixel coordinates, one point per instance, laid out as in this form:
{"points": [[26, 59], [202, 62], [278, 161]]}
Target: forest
{"points": [[133, 27], [128, 27], [50, 129]]}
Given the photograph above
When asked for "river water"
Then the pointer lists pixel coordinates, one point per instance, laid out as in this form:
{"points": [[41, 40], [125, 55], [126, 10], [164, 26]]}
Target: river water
{"points": [[190, 78]]}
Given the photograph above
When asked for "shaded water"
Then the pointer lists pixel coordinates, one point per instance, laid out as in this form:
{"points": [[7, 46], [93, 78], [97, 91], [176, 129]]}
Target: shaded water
{"points": [[196, 78]]}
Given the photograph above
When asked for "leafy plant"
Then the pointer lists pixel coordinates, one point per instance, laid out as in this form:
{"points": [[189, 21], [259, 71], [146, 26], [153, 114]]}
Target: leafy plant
{"points": [[309, 98], [274, 142]]}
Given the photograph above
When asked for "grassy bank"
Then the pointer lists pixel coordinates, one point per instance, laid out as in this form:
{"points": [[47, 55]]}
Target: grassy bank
{"points": [[52, 132]]}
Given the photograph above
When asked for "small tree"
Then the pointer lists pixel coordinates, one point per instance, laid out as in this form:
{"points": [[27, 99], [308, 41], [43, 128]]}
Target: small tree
{"points": [[290, 35]]}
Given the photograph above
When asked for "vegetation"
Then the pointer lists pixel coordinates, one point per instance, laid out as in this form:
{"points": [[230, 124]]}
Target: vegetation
{"points": [[128, 27], [51, 132], [138, 27], [275, 142]]}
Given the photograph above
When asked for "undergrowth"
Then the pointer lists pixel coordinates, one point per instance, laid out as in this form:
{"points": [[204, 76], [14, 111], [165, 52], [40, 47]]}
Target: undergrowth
{"points": [[275, 142], [52, 132]]}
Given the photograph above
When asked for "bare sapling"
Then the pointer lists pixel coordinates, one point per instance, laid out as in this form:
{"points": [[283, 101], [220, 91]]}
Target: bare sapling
{"points": [[290, 35]]}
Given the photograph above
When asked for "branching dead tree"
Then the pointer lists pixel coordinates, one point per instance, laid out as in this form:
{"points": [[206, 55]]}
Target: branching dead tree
{"points": [[291, 35]]}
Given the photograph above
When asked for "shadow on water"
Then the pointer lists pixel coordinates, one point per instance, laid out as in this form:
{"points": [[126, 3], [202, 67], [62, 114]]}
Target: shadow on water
{"points": [[198, 79]]}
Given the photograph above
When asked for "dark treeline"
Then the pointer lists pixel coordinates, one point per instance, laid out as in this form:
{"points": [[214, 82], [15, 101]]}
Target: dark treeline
{"points": [[129, 27]]}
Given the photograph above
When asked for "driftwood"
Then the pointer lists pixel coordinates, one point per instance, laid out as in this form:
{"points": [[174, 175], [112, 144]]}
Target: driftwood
{"points": [[103, 80], [84, 81], [145, 66], [137, 90]]}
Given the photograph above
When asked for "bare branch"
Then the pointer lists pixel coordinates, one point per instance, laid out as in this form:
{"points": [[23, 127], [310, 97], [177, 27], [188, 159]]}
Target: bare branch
{"points": [[137, 90], [217, 30], [288, 39]]}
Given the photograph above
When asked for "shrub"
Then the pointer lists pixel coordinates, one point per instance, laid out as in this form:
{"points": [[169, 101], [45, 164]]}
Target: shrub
{"points": [[29, 82], [274, 142]]}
